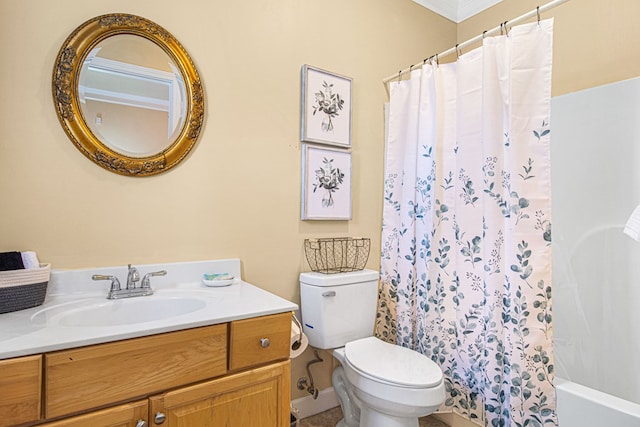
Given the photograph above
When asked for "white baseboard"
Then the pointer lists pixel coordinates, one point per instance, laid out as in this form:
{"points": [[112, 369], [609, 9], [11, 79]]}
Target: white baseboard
{"points": [[308, 406]]}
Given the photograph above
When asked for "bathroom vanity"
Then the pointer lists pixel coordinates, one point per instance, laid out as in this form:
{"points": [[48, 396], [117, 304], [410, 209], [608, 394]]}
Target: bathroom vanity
{"points": [[223, 361]]}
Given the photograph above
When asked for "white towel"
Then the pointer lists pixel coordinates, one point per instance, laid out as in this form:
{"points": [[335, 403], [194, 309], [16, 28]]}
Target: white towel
{"points": [[632, 228], [30, 259]]}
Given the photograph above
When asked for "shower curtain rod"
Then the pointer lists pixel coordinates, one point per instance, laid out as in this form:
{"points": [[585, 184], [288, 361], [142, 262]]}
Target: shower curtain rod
{"points": [[457, 48]]}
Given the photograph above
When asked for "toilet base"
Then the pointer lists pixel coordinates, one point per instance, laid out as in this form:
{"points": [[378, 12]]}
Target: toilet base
{"points": [[350, 407], [357, 414], [371, 418], [377, 419]]}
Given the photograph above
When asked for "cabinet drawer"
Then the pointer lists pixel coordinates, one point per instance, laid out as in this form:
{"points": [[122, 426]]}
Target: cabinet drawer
{"points": [[20, 382], [103, 374], [247, 346], [127, 415]]}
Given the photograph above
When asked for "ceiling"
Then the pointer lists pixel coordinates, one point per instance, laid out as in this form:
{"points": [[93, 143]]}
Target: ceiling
{"points": [[457, 10]]}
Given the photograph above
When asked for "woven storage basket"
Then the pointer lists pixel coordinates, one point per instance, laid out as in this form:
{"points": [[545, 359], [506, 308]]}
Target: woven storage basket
{"points": [[21, 289]]}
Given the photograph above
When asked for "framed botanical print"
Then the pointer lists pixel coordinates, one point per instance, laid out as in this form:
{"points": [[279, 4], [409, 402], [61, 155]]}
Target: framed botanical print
{"points": [[326, 183], [326, 107]]}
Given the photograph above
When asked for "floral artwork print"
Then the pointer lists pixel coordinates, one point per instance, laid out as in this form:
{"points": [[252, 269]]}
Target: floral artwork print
{"points": [[329, 104], [466, 233], [328, 178], [326, 183], [326, 107]]}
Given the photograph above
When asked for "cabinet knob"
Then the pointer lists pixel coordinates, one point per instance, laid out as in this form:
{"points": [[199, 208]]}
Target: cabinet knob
{"points": [[159, 418], [265, 342], [141, 423]]}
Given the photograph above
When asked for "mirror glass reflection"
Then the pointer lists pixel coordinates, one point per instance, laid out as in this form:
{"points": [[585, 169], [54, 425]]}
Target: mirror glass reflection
{"points": [[132, 95]]}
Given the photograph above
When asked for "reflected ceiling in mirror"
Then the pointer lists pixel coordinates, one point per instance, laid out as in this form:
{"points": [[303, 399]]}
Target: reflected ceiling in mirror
{"points": [[128, 95], [132, 95]]}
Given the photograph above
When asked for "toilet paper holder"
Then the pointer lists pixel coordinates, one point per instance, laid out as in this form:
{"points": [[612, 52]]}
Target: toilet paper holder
{"points": [[298, 342]]}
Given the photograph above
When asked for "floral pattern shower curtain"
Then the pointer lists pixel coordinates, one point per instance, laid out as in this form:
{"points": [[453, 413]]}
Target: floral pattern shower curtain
{"points": [[466, 240]]}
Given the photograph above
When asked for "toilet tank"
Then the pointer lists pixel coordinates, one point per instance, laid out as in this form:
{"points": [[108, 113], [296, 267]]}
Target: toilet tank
{"points": [[338, 308]]}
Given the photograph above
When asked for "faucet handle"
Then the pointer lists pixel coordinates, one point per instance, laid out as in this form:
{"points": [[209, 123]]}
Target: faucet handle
{"points": [[146, 282], [115, 283]]}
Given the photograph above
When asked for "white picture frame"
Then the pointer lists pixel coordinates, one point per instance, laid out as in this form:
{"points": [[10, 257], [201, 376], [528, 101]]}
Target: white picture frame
{"points": [[326, 183], [326, 107]]}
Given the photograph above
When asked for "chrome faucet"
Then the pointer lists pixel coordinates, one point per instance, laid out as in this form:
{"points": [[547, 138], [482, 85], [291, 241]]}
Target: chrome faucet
{"points": [[133, 277]]}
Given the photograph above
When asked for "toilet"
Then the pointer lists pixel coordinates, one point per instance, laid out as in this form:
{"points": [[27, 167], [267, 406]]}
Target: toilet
{"points": [[378, 384]]}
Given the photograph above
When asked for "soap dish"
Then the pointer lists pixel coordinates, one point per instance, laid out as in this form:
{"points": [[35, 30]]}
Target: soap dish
{"points": [[217, 280]]}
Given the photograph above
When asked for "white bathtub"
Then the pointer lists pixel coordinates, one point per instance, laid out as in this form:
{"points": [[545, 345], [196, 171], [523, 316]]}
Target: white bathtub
{"points": [[596, 273], [580, 406]]}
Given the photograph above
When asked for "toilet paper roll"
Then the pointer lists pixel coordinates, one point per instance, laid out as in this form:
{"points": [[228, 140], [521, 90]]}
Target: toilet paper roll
{"points": [[299, 341]]}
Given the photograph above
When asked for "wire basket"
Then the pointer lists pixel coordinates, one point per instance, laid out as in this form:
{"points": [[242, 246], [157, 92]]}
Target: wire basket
{"points": [[337, 254]]}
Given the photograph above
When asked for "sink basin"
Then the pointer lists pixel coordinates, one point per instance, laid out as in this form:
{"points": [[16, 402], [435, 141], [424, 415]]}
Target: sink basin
{"points": [[97, 313]]}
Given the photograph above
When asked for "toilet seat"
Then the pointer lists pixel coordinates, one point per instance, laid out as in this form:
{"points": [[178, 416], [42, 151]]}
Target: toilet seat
{"points": [[392, 364]]}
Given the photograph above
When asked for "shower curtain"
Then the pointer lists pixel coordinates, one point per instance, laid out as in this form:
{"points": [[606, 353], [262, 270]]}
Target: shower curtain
{"points": [[466, 236]]}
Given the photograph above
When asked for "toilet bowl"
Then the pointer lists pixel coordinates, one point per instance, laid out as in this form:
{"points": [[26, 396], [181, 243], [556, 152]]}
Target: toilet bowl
{"points": [[378, 384], [391, 385]]}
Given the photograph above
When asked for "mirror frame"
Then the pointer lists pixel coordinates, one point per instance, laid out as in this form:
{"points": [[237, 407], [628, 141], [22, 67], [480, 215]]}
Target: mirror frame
{"points": [[66, 72]]}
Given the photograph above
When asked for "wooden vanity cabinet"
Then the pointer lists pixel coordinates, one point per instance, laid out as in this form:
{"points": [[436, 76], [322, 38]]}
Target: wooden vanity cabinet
{"points": [[20, 389], [235, 374], [257, 395]]}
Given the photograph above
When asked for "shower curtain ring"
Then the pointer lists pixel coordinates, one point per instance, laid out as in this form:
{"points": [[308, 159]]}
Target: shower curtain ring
{"points": [[538, 13], [458, 51], [399, 74]]}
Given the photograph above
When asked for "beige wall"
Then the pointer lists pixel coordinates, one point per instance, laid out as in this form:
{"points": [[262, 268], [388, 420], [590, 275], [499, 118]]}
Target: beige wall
{"points": [[595, 41], [237, 194]]}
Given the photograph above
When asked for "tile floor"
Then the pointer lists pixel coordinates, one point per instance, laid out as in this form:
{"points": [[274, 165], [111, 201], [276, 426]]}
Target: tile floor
{"points": [[331, 417]]}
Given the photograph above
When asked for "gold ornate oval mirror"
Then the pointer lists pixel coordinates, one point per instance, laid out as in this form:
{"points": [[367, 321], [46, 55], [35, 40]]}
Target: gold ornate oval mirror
{"points": [[128, 95]]}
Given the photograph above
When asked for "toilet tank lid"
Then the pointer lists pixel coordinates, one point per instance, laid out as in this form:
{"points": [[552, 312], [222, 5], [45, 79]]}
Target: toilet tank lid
{"points": [[338, 279]]}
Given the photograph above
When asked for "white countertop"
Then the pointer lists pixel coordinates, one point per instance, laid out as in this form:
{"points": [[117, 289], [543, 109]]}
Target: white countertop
{"points": [[36, 330]]}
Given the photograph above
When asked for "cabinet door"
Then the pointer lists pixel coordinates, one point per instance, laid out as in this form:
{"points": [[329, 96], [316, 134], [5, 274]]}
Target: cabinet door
{"points": [[20, 381], [128, 415], [256, 398]]}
